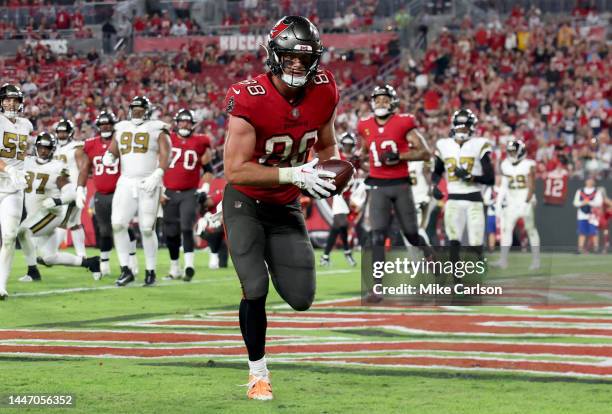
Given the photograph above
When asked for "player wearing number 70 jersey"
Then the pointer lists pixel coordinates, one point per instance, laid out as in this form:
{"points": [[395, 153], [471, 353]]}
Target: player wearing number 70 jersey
{"points": [[190, 152], [143, 147], [105, 180]]}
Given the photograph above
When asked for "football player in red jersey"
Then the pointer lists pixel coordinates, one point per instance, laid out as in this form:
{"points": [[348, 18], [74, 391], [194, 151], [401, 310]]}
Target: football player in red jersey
{"points": [[340, 207], [274, 121], [390, 141], [105, 179], [190, 152]]}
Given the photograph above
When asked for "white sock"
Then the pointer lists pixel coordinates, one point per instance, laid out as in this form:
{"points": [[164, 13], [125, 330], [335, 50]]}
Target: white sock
{"points": [[60, 235], [66, 259], [258, 368], [7, 252], [28, 248], [149, 244], [188, 257], [133, 246], [122, 245], [78, 240], [104, 255], [174, 268]]}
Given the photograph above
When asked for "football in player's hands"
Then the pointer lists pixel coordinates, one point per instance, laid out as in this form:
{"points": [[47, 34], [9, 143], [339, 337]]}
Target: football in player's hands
{"points": [[344, 173], [437, 194]]}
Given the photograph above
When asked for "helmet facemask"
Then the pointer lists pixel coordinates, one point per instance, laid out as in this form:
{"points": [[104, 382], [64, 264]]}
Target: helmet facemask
{"points": [[384, 101], [185, 122], [11, 107], [44, 148]]}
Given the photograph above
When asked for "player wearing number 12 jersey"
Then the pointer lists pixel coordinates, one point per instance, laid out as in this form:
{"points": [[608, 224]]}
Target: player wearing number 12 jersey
{"points": [[105, 180], [190, 152], [274, 121], [390, 141]]}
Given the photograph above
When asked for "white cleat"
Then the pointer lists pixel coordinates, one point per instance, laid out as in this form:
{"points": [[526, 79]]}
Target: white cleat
{"points": [[96, 276], [213, 260], [26, 278]]}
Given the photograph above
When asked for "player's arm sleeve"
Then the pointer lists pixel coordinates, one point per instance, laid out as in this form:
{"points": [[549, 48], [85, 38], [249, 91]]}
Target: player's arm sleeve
{"points": [[438, 171], [488, 173], [577, 202], [236, 104]]}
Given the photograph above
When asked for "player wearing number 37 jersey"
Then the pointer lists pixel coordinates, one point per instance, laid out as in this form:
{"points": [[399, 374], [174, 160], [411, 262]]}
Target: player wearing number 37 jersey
{"points": [[274, 121]]}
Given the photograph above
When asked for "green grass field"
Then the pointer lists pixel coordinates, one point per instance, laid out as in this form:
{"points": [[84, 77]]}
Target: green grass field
{"points": [[176, 348]]}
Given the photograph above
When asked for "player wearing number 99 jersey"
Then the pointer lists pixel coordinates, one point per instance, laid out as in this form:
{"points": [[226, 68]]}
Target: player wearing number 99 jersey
{"points": [[190, 152], [390, 141], [105, 180], [143, 146], [274, 121]]}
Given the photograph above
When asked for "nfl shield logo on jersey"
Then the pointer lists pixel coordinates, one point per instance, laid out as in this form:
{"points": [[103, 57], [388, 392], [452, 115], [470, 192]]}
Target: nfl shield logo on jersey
{"points": [[295, 113]]}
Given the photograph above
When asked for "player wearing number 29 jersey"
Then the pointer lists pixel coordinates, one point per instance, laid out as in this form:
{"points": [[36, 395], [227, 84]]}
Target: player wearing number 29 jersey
{"points": [[274, 121]]}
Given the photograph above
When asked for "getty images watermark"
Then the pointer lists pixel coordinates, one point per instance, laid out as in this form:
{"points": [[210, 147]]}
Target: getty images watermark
{"points": [[414, 270]]}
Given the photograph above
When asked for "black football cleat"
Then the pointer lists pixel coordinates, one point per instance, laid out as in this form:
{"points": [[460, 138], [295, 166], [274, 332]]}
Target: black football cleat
{"points": [[189, 274], [149, 278], [126, 277], [40, 261]]}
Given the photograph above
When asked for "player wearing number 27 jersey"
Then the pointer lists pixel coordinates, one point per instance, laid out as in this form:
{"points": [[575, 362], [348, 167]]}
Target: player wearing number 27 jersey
{"points": [[274, 121]]}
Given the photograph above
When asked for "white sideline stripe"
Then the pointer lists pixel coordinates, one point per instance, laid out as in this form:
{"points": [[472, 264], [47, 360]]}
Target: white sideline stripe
{"points": [[131, 286]]}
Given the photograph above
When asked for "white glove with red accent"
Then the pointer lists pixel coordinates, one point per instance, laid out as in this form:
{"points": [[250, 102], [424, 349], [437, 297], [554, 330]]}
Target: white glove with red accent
{"points": [[153, 181], [16, 176], [81, 197], [108, 159], [308, 178]]}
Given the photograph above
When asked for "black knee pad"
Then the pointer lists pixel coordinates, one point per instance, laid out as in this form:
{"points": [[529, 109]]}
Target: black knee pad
{"points": [[172, 228]]}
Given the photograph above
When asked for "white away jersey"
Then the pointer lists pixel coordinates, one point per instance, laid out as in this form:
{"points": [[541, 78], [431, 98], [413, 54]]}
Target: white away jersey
{"points": [[66, 154], [13, 147], [41, 181], [138, 147], [515, 180], [420, 186], [466, 156]]}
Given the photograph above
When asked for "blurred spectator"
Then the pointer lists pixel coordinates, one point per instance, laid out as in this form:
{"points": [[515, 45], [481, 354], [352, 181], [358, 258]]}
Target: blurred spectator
{"points": [[586, 200], [62, 20], [108, 35], [179, 28]]}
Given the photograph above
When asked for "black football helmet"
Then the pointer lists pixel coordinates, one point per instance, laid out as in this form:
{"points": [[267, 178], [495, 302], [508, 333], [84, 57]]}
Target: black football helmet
{"points": [[140, 102], [297, 36], [385, 90], [64, 125], [516, 150], [348, 142], [463, 118], [48, 140], [106, 118], [11, 91], [185, 115]]}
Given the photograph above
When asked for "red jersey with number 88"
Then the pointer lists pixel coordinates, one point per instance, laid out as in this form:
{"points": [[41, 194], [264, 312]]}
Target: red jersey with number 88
{"points": [[285, 132], [105, 178], [185, 164], [390, 137]]}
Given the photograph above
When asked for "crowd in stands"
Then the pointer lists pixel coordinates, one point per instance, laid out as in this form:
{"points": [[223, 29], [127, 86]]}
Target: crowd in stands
{"points": [[547, 83]]}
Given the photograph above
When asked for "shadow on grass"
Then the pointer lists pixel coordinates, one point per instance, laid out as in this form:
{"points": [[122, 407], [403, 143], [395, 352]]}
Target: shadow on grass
{"points": [[377, 372]]}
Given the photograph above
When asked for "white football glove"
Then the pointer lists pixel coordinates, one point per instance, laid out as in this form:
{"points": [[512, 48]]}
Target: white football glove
{"points": [[308, 178], [108, 159], [153, 181], [16, 176], [81, 196], [51, 203]]}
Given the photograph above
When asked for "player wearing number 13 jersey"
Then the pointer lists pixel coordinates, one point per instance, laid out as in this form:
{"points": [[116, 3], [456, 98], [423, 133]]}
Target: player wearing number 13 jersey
{"points": [[190, 152], [274, 121], [143, 147], [390, 141]]}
